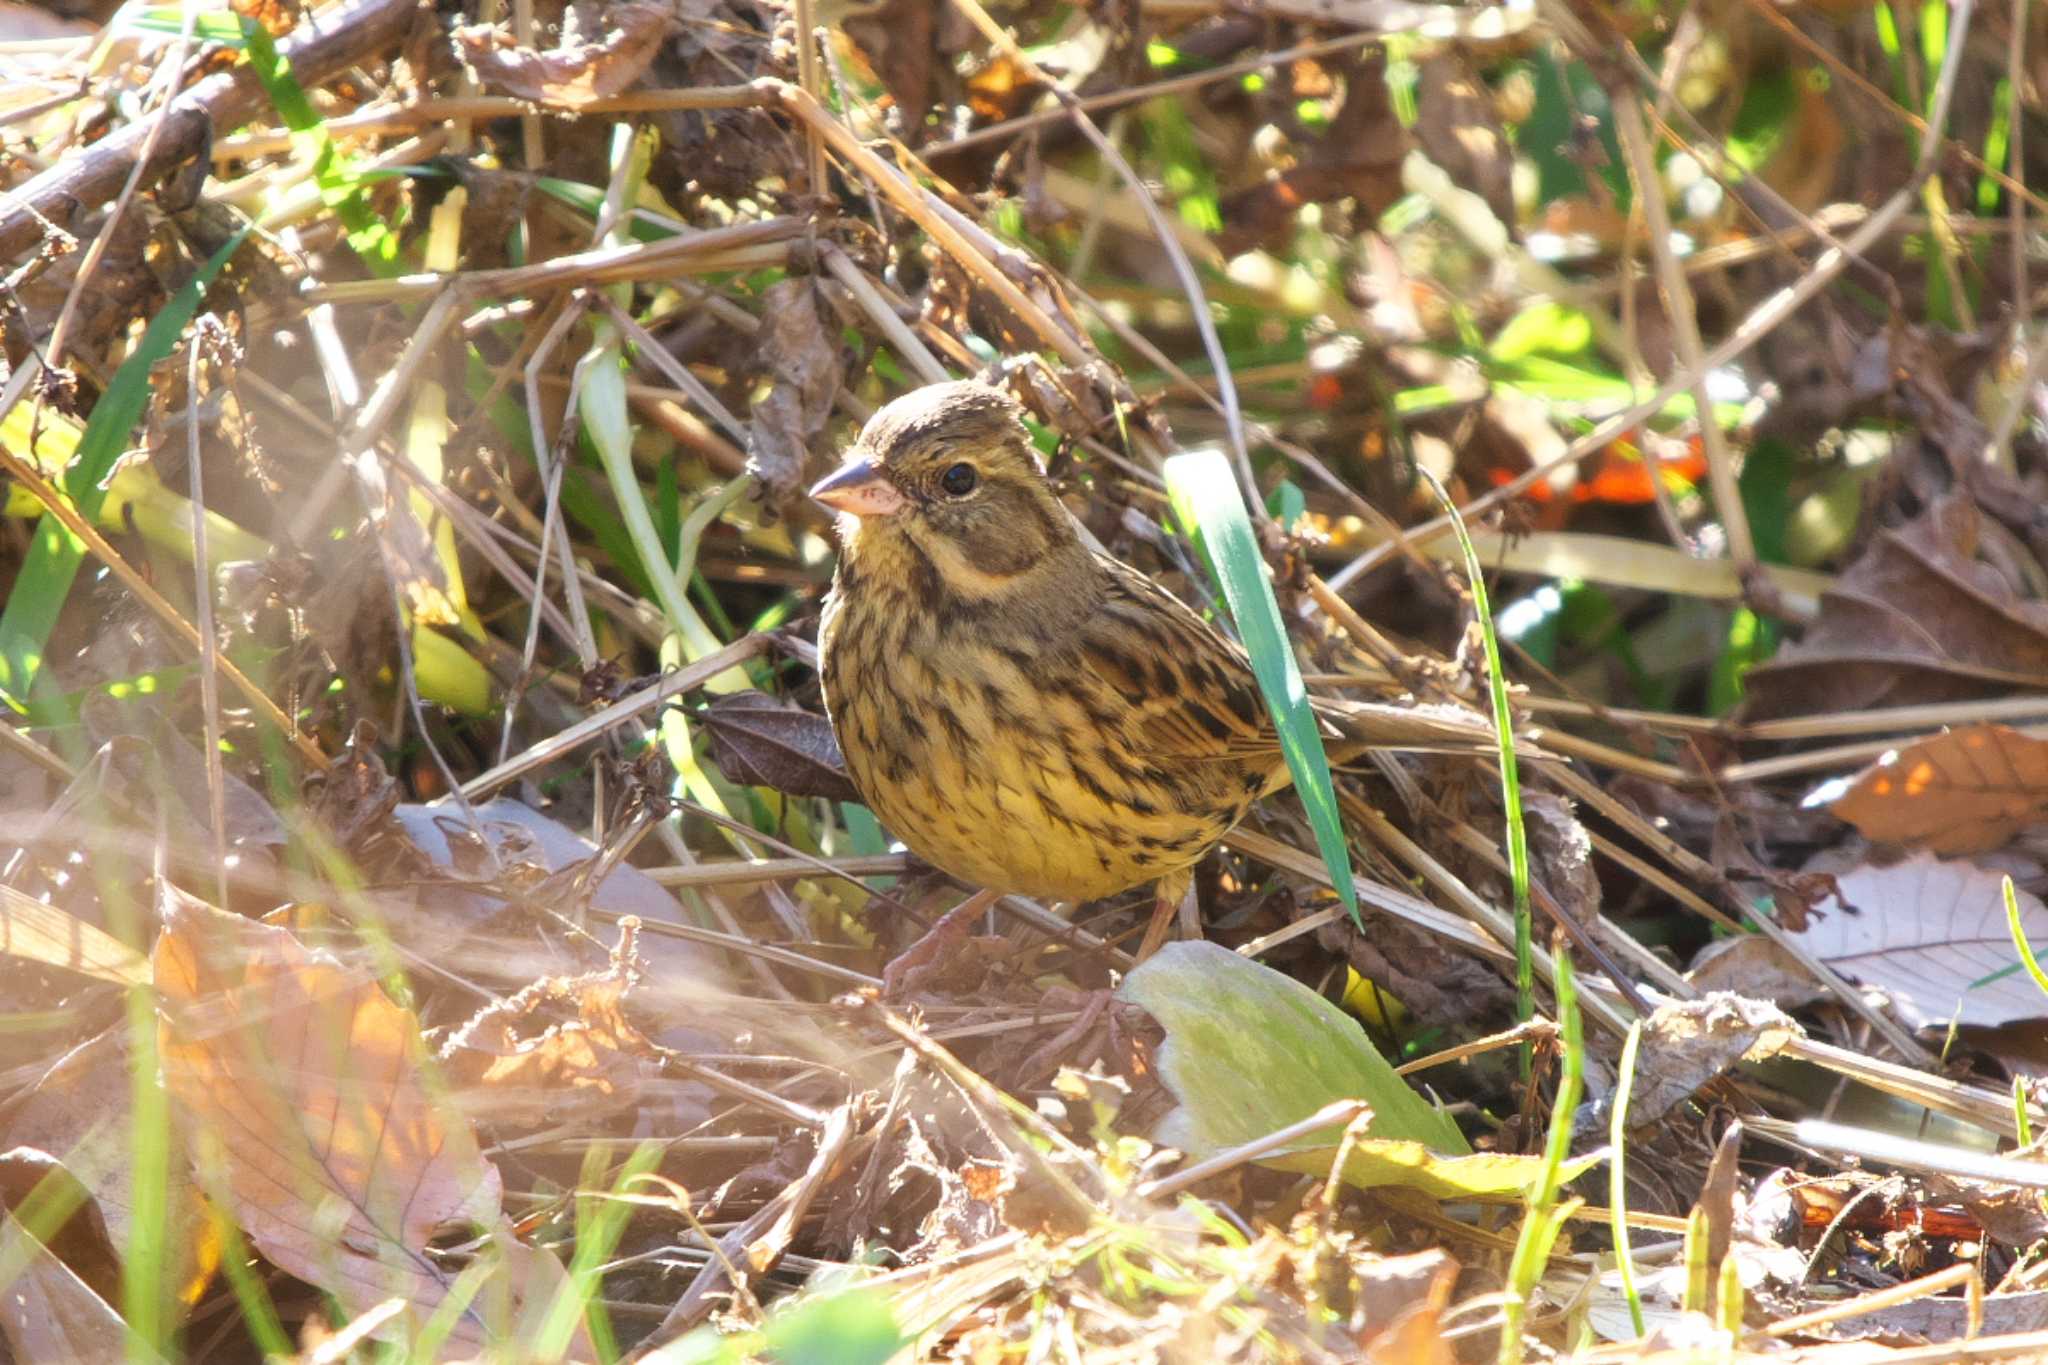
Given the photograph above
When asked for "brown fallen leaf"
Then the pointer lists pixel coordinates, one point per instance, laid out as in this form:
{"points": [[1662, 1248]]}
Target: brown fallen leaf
{"points": [[1917, 619], [301, 1088], [1965, 791], [49, 1313], [79, 1112], [1401, 1300], [1932, 935], [1757, 968], [604, 49]]}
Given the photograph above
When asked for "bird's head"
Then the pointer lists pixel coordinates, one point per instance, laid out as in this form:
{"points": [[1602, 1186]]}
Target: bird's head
{"points": [[944, 482]]}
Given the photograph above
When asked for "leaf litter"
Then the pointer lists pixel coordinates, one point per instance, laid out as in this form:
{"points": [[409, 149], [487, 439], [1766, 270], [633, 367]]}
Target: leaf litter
{"points": [[464, 1027]]}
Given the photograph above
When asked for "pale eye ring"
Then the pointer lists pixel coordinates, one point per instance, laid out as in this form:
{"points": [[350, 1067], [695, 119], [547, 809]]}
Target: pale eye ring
{"points": [[960, 480]]}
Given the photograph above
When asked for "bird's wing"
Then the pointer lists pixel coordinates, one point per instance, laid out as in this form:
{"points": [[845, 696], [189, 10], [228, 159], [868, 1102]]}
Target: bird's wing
{"points": [[1193, 694], [1189, 691]]}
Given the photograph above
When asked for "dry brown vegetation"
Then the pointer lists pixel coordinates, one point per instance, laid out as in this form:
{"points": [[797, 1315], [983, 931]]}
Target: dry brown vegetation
{"points": [[435, 921]]}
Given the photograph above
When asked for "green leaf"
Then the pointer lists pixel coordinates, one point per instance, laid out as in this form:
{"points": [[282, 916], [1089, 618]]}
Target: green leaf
{"points": [[852, 1327], [274, 73], [1207, 504], [1249, 1050], [1545, 327], [1287, 504], [1189, 176]]}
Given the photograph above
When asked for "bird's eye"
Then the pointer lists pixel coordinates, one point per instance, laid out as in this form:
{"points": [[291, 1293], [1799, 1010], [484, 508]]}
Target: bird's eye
{"points": [[959, 480]]}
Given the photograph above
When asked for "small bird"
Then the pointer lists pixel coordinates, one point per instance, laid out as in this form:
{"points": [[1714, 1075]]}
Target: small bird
{"points": [[1025, 713]]}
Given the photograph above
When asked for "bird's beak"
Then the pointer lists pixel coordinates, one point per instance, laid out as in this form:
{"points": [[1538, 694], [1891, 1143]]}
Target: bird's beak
{"points": [[860, 488]]}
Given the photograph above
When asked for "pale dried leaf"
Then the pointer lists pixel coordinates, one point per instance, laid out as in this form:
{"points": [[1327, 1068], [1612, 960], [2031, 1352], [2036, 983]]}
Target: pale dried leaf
{"points": [[1757, 967], [79, 1111], [42, 933], [1917, 619], [562, 1042], [1931, 934]]}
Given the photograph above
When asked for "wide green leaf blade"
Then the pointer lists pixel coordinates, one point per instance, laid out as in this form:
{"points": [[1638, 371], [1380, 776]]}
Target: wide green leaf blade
{"points": [[1249, 1050], [1206, 501]]}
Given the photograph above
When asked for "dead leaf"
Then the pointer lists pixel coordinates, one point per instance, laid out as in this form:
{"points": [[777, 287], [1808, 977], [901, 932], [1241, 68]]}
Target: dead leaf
{"points": [[1459, 128], [1564, 855], [1964, 791], [1917, 619], [896, 37], [799, 341], [1002, 89], [79, 1113], [1932, 935], [43, 933], [1358, 156], [300, 1086], [578, 70], [1757, 967], [1689, 1043], [49, 1313], [766, 742], [1401, 1299], [562, 1042]]}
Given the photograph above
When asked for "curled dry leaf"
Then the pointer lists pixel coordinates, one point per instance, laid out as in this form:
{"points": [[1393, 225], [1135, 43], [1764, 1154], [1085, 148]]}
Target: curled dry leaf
{"points": [[1965, 791], [1932, 935], [301, 1089], [1689, 1043], [766, 742], [800, 343], [604, 49], [561, 1042]]}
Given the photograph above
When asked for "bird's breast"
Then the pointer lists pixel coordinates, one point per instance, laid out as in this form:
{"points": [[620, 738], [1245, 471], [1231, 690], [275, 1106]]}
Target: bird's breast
{"points": [[999, 761]]}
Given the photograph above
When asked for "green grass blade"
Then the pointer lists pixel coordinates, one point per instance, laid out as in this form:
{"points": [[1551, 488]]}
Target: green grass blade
{"points": [[1211, 511], [1617, 1188], [1510, 776], [2019, 938], [1543, 1219], [54, 555]]}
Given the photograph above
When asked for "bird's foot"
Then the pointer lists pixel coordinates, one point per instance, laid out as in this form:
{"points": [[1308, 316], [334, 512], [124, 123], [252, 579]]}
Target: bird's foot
{"points": [[917, 962], [1165, 905]]}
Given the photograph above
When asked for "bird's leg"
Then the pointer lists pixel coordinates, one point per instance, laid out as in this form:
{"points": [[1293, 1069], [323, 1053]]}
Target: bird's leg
{"points": [[916, 961], [1174, 893]]}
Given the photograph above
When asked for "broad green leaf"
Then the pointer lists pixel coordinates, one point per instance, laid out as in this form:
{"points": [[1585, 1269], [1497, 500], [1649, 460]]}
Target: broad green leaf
{"points": [[1210, 510], [1249, 1050]]}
